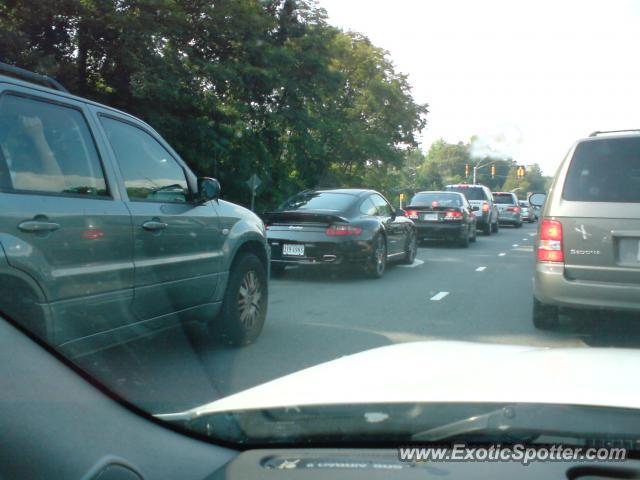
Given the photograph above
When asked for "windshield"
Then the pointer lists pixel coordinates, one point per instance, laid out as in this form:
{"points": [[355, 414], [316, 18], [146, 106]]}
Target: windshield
{"points": [[435, 199], [504, 198], [319, 201], [274, 221], [469, 192], [605, 170]]}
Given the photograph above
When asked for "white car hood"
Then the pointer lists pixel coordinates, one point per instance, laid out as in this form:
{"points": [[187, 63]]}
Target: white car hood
{"points": [[442, 371]]}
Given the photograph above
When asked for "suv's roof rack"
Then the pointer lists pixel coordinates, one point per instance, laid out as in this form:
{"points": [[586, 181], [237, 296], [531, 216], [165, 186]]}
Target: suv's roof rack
{"points": [[31, 76], [600, 132]]}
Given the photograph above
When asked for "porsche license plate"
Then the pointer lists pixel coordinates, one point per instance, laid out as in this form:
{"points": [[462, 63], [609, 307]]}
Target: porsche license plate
{"points": [[293, 250]]}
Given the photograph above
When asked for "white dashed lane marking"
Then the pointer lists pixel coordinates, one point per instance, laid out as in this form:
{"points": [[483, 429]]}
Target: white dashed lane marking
{"points": [[481, 269], [515, 245], [439, 296], [502, 254]]}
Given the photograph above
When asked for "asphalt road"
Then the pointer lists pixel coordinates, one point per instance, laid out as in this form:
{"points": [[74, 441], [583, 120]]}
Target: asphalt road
{"points": [[479, 294]]}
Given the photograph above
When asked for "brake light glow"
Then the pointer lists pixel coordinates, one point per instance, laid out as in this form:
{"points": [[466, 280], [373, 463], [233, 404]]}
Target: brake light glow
{"points": [[513, 209], [485, 207], [411, 214], [343, 231], [453, 215], [550, 245]]}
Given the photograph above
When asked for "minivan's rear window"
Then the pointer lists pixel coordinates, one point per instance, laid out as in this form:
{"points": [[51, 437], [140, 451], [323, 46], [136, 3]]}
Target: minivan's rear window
{"points": [[606, 170], [503, 198], [472, 193]]}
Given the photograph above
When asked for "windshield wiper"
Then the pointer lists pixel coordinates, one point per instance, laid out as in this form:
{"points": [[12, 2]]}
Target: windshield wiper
{"points": [[534, 421]]}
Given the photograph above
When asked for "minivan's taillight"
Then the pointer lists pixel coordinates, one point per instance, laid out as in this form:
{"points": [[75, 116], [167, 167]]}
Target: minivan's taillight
{"points": [[550, 245], [342, 231], [485, 207]]}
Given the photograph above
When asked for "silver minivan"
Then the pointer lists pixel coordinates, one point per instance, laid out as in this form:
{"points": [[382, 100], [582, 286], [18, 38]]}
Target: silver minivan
{"points": [[588, 243]]}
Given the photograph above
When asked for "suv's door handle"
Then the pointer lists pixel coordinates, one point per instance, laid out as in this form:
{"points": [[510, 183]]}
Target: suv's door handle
{"points": [[38, 226], [154, 225]]}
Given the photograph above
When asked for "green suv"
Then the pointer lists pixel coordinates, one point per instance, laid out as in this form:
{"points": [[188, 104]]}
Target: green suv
{"points": [[106, 235], [588, 245]]}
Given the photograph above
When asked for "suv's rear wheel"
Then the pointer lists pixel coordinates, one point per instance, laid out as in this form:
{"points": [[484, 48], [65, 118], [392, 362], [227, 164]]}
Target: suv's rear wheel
{"points": [[464, 241], [545, 317], [495, 227], [486, 229], [245, 303]]}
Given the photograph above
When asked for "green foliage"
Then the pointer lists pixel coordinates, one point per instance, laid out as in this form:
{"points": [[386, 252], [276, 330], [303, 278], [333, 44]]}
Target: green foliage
{"points": [[236, 86], [533, 181], [445, 163]]}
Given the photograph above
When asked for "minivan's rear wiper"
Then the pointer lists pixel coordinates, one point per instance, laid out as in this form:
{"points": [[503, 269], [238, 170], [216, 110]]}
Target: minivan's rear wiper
{"points": [[532, 421]]}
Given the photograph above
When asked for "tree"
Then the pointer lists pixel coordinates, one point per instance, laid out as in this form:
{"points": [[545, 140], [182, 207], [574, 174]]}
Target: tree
{"points": [[533, 181], [236, 86]]}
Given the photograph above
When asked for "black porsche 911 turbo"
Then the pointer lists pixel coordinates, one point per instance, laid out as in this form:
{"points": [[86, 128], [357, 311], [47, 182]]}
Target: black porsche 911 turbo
{"points": [[343, 227]]}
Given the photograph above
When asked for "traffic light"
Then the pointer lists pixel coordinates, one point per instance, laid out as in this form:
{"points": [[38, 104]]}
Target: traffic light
{"points": [[493, 171], [521, 172], [466, 170]]}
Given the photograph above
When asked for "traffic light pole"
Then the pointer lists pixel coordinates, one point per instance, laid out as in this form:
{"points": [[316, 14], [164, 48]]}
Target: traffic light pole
{"points": [[477, 166]]}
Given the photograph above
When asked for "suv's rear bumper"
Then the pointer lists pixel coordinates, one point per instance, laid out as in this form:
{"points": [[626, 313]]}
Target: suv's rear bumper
{"points": [[482, 218], [551, 287]]}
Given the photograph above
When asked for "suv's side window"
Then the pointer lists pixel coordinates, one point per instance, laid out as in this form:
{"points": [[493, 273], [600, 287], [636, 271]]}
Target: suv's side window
{"points": [[384, 209], [48, 148], [150, 173], [368, 208]]}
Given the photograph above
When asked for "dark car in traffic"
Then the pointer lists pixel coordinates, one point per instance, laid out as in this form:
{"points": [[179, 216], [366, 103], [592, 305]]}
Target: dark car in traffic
{"points": [[443, 215], [343, 227]]}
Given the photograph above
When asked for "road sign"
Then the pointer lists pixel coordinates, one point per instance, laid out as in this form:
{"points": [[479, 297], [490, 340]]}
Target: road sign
{"points": [[254, 182]]}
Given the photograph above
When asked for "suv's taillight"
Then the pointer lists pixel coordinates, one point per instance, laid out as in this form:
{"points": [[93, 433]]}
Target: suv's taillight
{"points": [[550, 246], [485, 207], [343, 231]]}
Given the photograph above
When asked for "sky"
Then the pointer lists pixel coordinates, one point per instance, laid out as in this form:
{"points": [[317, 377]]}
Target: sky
{"points": [[528, 77]]}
